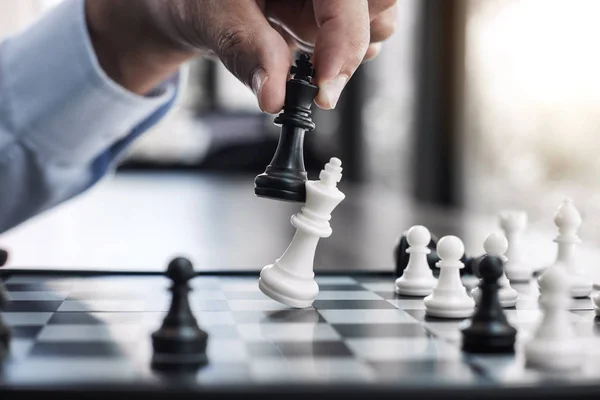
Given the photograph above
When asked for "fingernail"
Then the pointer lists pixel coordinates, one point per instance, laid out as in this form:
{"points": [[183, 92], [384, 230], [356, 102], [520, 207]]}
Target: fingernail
{"points": [[258, 80], [333, 89]]}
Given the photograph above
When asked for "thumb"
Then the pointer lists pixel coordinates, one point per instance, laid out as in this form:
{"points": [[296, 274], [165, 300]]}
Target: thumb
{"points": [[251, 50]]}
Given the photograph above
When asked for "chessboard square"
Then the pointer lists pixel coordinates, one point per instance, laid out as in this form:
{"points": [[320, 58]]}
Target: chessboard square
{"points": [[427, 372], [26, 318], [218, 372], [220, 350], [243, 285], [19, 349], [206, 305], [380, 286], [295, 315], [214, 318], [310, 370], [386, 349], [33, 306], [37, 296], [409, 330], [256, 305], [347, 295], [90, 333], [387, 294], [26, 287], [104, 306], [74, 349], [408, 304], [205, 283], [393, 316], [291, 332], [315, 349], [25, 332], [96, 318], [244, 295], [335, 280], [341, 288], [352, 305]]}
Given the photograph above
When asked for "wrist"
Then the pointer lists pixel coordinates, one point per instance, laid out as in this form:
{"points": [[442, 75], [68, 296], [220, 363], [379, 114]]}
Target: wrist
{"points": [[129, 48]]}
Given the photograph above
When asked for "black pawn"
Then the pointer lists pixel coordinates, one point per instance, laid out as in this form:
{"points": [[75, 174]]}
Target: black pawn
{"points": [[401, 257], [488, 330], [285, 177], [179, 343], [5, 331]]}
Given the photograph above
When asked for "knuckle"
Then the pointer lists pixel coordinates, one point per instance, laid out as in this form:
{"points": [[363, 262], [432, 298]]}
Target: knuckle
{"points": [[231, 41]]}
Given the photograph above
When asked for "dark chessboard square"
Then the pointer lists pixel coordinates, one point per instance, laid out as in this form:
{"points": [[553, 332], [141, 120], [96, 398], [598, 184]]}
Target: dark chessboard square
{"points": [[77, 349], [33, 306], [27, 287], [87, 318], [337, 287], [352, 305], [25, 331], [390, 295], [419, 315], [307, 315], [298, 349], [428, 370], [381, 330]]}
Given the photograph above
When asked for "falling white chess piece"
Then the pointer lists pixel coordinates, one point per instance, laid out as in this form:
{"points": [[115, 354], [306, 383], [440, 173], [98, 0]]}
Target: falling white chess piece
{"points": [[514, 223], [554, 345], [449, 298], [417, 278], [496, 245], [568, 220], [290, 279]]}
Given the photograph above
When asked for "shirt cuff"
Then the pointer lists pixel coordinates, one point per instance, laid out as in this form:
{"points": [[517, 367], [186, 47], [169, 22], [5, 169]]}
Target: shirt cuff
{"points": [[63, 106]]}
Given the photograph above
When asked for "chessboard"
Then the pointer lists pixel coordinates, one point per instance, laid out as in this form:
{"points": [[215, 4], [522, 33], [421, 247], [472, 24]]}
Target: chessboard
{"points": [[89, 333]]}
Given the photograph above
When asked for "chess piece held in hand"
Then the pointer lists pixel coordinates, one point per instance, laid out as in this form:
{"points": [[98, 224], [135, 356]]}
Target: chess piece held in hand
{"points": [[285, 177], [179, 343], [290, 279], [488, 330]]}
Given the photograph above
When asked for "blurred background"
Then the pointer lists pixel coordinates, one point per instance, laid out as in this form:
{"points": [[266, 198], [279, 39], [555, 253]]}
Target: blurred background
{"points": [[473, 106]]}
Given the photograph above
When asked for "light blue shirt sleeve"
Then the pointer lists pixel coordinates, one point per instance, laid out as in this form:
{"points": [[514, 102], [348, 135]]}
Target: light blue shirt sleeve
{"points": [[63, 122]]}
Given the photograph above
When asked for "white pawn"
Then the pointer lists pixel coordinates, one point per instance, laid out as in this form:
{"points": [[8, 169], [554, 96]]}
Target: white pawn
{"points": [[554, 345], [568, 221], [290, 279], [449, 298], [496, 245], [417, 278], [514, 223]]}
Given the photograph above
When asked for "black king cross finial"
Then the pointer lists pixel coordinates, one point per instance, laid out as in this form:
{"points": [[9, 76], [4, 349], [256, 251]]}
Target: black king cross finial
{"points": [[303, 70]]}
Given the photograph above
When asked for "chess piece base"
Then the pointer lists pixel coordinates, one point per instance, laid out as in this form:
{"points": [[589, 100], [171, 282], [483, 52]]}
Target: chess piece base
{"points": [[477, 339], [179, 348], [284, 185], [455, 309], [553, 355], [289, 289], [417, 288]]}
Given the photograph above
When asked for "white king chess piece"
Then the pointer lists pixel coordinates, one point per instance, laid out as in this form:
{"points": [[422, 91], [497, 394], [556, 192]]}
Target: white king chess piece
{"points": [[496, 244], [514, 223], [568, 220], [290, 280]]}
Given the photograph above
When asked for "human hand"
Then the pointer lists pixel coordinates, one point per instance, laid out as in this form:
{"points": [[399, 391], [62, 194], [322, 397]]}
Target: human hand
{"points": [[253, 38]]}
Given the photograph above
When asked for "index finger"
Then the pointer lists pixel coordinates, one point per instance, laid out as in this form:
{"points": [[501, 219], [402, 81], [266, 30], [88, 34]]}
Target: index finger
{"points": [[341, 44]]}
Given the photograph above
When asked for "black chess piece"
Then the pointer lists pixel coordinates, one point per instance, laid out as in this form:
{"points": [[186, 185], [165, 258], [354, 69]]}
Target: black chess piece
{"points": [[401, 257], [5, 331], [488, 330], [3, 257], [285, 177], [179, 343]]}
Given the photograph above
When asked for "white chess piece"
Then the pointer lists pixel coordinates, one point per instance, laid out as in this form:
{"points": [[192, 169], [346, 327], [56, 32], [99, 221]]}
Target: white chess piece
{"points": [[449, 298], [568, 220], [554, 345], [417, 278], [514, 223], [290, 279], [496, 245]]}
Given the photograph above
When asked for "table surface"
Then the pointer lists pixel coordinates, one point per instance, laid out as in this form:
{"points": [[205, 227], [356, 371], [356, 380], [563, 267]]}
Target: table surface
{"points": [[139, 221]]}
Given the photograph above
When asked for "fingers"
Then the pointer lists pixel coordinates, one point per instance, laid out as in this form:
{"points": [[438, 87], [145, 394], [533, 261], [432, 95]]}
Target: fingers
{"points": [[384, 25], [340, 46], [251, 49]]}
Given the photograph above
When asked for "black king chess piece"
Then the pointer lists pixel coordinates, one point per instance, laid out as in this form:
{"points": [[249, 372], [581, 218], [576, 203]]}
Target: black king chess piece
{"points": [[488, 330], [179, 343], [285, 177]]}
